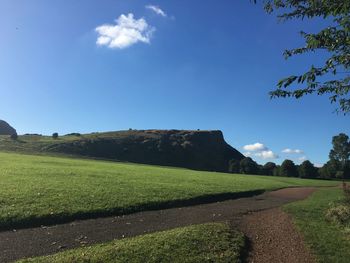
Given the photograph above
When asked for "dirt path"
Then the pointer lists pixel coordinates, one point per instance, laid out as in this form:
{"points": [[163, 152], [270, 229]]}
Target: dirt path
{"points": [[48, 240], [273, 238]]}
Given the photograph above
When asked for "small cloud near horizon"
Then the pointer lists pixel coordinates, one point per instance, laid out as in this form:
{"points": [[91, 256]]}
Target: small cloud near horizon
{"points": [[126, 32], [259, 150], [292, 151], [268, 154], [157, 10], [302, 158], [255, 147]]}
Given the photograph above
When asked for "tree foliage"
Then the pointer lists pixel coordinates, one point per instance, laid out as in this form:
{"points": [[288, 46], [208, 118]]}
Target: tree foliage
{"points": [[333, 77], [248, 166], [268, 168], [339, 156], [288, 169], [341, 148], [234, 166], [307, 170]]}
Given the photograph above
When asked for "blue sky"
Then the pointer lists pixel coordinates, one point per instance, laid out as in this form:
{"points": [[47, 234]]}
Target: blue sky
{"points": [[198, 65]]}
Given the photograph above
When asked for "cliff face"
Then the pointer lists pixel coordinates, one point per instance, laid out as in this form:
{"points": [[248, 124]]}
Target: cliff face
{"points": [[200, 150], [6, 129]]}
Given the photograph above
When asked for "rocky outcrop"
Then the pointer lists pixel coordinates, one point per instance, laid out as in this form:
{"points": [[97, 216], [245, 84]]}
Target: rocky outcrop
{"points": [[200, 150], [6, 129]]}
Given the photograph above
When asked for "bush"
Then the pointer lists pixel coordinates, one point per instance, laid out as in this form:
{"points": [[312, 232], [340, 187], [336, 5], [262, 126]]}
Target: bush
{"points": [[55, 135], [14, 136], [233, 166], [248, 166], [339, 214], [73, 134]]}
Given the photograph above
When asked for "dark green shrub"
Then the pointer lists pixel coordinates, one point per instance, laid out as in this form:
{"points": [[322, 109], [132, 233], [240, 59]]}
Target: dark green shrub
{"points": [[233, 166], [73, 134], [14, 136], [248, 166], [55, 135]]}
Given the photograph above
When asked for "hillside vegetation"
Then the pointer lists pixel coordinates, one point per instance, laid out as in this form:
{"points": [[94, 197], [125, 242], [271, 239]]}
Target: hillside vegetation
{"points": [[6, 129], [200, 150], [40, 189]]}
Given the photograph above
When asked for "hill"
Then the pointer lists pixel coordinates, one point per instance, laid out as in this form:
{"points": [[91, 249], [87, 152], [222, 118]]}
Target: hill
{"points": [[199, 150], [6, 129]]}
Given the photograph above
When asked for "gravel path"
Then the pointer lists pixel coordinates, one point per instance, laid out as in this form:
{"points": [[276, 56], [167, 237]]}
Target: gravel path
{"points": [[32, 242], [273, 238]]}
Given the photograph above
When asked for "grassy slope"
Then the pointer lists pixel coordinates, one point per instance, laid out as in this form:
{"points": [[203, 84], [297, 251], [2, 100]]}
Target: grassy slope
{"points": [[199, 243], [32, 144], [39, 144], [33, 188], [35, 144], [327, 240]]}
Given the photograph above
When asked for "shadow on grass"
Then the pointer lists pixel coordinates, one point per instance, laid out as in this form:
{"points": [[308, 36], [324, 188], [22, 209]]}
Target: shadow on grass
{"points": [[245, 250], [153, 206]]}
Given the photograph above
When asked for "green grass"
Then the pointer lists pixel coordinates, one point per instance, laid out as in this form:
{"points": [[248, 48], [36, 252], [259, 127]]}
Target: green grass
{"points": [[199, 243], [36, 190], [31, 143], [329, 241]]}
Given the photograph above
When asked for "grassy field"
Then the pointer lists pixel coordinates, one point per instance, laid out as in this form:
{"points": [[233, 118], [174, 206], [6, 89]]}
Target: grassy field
{"points": [[38, 190], [199, 243], [329, 241]]}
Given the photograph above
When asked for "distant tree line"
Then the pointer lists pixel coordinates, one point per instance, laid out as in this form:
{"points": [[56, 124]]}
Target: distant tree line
{"points": [[338, 165]]}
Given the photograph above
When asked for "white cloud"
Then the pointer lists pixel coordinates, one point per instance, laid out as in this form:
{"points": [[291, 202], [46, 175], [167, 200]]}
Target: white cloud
{"points": [[256, 147], [302, 158], [318, 165], [157, 10], [247, 154], [291, 151], [268, 154], [126, 32], [259, 150]]}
